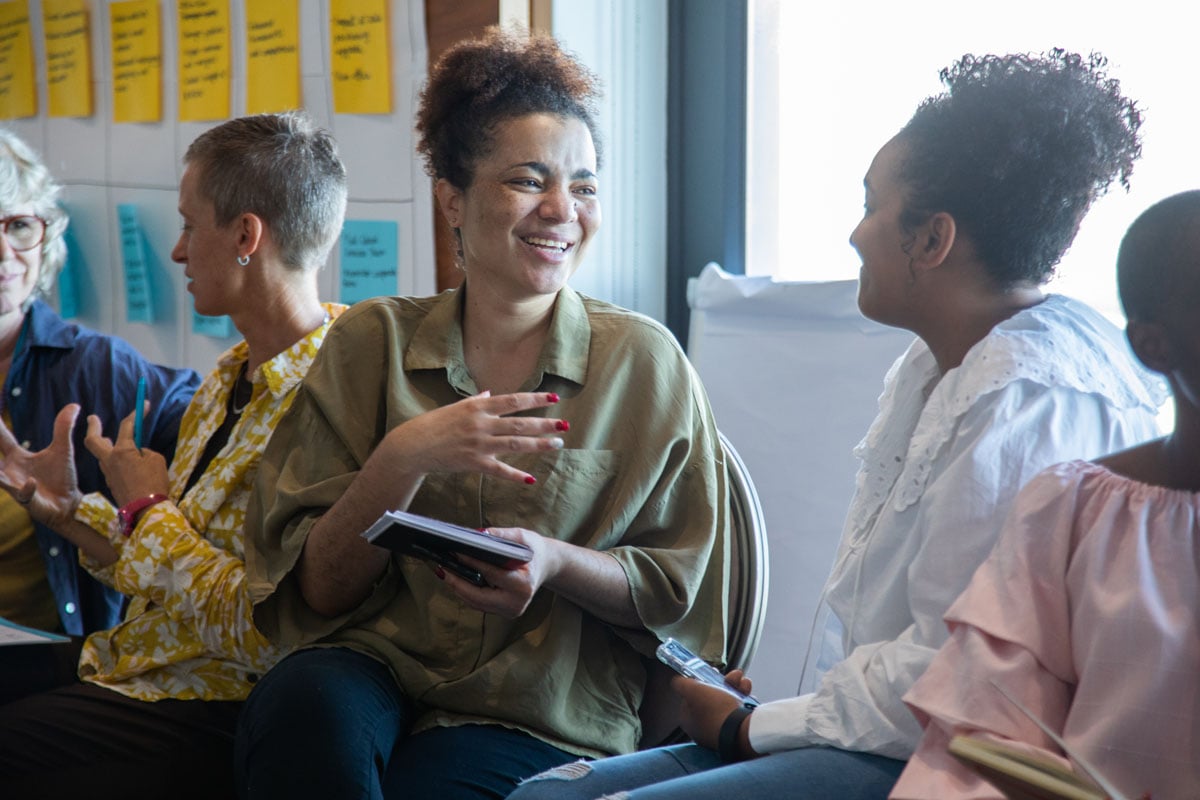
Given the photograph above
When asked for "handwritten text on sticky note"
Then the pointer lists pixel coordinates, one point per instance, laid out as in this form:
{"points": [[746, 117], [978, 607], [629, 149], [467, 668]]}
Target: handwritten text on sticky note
{"points": [[368, 259], [139, 299]]}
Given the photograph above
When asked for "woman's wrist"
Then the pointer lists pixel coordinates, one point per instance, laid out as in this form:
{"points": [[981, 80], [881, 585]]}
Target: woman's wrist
{"points": [[128, 514], [733, 740]]}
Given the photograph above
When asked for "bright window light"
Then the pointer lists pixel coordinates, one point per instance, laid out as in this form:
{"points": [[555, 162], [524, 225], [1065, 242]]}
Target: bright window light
{"points": [[851, 74]]}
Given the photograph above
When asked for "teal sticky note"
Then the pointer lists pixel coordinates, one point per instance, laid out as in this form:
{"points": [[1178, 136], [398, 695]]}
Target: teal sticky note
{"points": [[139, 301], [218, 327], [368, 259], [68, 288]]}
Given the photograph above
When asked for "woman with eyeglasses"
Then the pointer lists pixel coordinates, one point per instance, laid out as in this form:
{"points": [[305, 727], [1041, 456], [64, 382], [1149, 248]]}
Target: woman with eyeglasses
{"points": [[46, 363], [153, 713]]}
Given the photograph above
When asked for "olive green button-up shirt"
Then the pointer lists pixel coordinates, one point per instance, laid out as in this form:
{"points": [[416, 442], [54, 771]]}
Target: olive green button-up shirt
{"points": [[641, 477]]}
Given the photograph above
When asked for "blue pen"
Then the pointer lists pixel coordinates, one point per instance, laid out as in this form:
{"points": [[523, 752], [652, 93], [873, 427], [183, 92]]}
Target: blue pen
{"points": [[137, 413]]}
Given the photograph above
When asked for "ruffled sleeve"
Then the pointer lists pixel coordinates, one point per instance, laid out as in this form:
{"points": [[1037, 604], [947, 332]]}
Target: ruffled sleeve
{"points": [[1011, 627]]}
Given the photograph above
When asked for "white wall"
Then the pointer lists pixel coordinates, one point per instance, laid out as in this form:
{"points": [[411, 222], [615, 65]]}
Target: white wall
{"points": [[103, 164]]}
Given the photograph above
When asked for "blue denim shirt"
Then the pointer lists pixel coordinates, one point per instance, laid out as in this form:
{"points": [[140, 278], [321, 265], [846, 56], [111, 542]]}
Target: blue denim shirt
{"points": [[58, 363]]}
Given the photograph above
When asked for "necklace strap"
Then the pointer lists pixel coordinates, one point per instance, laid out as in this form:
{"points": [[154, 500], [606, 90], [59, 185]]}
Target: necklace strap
{"points": [[241, 379]]}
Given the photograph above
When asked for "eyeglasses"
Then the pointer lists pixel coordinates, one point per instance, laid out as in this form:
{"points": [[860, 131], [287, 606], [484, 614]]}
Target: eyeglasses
{"points": [[24, 232]]}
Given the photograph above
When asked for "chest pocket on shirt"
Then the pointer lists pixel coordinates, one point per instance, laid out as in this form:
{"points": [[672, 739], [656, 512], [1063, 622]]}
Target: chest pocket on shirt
{"points": [[574, 492]]}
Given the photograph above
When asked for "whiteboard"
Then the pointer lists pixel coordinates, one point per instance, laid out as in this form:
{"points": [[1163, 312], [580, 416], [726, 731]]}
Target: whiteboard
{"points": [[102, 164], [793, 372]]}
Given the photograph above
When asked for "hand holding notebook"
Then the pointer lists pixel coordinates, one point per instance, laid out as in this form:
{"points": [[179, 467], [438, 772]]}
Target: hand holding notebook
{"points": [[441, 542]]}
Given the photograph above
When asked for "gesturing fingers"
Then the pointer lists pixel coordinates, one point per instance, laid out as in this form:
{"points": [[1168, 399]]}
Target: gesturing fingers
{"points": [[21, 489], [521, 434], [125, 432], [96, 442], [64, 423], [8, 442], [475, 433], [504, 404], [24, 494]]}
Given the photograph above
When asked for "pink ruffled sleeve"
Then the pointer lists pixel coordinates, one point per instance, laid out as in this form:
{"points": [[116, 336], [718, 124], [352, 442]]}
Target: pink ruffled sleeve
{"points": [[1012, 627]]}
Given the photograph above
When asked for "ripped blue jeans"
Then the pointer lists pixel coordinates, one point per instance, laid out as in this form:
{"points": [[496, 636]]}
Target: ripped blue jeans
{"points": [[691, 772]]}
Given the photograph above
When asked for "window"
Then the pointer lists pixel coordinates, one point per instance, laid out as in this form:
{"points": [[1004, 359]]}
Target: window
{"points": [[850, 76]]}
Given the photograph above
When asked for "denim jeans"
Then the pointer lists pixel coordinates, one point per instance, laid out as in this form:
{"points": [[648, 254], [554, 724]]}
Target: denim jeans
{"points": [[332, 723], [692, 772]]}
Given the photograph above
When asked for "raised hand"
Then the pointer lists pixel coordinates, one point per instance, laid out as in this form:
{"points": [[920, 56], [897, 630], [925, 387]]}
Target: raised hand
{"points": [[339, 566], [467, 436], [130, 472], [44, 482]]}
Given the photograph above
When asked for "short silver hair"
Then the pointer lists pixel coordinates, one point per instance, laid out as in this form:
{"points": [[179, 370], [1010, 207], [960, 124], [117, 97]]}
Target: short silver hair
{"points": [[25, 181], [282, 168]]}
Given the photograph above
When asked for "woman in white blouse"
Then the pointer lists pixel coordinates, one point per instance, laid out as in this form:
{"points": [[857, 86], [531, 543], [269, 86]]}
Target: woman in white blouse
{"points": [[968, 210]]}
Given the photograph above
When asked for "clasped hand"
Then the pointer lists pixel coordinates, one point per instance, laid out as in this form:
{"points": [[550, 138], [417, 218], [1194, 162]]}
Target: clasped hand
{"points": [[469, 436], [704, 708], [508, 591]]}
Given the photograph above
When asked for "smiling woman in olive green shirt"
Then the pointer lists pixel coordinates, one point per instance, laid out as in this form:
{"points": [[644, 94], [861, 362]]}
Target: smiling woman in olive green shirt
{"points": [[440, 405]]}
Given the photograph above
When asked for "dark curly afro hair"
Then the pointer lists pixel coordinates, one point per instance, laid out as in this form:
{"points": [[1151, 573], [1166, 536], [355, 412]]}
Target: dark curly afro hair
{"points": [[1016, 150], [479, 83]]}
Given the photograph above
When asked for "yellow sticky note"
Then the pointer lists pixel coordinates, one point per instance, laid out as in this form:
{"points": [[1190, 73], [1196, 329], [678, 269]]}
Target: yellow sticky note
{"points": [[18, 93], [272, 56], [204, 72], [361, 56], [136, 49], [68, 33]]}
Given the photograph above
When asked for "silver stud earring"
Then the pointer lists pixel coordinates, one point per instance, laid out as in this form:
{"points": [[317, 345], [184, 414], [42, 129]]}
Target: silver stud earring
{"points": [[243, 261]]}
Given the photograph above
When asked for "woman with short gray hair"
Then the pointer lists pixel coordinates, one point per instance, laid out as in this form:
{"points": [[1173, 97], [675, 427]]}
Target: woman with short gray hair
{"points": [[262, 200]]}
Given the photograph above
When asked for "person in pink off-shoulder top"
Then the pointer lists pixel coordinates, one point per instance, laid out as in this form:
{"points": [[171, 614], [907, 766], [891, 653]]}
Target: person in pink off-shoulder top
{"points": [[1088, 610]]}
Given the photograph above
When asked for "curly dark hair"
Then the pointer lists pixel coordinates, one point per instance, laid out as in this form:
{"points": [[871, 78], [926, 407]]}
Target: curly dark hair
{"points": [[1159, 259], [1016, 150], [481, 82]]}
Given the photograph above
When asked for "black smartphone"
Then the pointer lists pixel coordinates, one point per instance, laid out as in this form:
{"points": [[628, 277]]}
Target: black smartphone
{"points": [[450, 563]]}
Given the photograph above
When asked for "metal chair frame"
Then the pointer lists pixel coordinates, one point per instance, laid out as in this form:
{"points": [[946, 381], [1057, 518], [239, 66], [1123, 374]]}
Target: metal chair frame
{"points": [[749, 582]]}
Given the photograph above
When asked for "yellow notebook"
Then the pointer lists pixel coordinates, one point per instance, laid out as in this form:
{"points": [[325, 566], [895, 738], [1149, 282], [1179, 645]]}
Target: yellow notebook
{"points": [[1022, 775]]}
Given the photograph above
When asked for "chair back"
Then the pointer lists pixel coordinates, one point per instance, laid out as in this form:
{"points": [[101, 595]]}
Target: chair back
{"points": [[749, 573], [749, 577]]}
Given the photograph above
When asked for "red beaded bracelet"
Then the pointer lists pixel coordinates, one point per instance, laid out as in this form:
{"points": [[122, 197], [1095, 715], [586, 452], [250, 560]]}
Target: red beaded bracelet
{"points": [[128, 513]]}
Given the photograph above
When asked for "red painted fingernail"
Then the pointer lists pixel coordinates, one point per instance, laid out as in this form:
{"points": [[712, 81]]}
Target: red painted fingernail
{"points": [[529, 479], [441, 573], [562, 425], [552, 397]]}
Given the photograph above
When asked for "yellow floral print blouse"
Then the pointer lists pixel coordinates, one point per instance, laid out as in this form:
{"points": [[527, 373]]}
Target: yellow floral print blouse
{"points": [[188, 633]]}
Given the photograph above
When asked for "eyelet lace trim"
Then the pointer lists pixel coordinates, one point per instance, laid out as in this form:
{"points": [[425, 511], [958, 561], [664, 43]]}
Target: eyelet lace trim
{"points": [[1058, 343]]}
